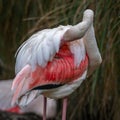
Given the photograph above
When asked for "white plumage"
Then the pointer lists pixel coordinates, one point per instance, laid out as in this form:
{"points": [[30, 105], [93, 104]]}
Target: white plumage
{"points": [[42, 47]]}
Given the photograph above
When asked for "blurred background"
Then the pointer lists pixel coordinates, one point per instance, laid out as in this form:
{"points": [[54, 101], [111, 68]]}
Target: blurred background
{"points": [[98, 98]]}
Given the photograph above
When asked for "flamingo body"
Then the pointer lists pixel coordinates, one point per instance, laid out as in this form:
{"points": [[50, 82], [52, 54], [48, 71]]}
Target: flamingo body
{"points": [[64, 64]]}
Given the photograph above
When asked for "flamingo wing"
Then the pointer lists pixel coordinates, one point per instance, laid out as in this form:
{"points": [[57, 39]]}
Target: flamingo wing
{"points": [[39, 48], [45, 61]]}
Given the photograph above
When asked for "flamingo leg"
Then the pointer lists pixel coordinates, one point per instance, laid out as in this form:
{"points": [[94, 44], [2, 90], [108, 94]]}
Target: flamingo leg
{"points": [[44, 107], [64, 111]]}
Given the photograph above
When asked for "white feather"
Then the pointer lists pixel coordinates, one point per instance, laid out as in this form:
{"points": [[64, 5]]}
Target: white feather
{"points": [[56, 41], [46, 53], [78, 49], [22, 59], [32, 95], [40, 48], [39, 55], [23, 101], [58, 36]]}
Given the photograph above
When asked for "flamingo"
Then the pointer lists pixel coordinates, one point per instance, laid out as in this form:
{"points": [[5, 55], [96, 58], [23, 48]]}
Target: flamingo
{"points": [[54, 62]]}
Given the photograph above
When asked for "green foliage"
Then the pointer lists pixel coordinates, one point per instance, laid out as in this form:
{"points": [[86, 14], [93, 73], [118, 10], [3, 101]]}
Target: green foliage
{"points": [[98, 98]]}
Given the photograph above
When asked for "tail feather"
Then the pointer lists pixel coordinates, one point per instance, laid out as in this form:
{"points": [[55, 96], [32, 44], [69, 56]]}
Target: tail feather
{"points": [[20, 83], [21, 75], [17, 92]]}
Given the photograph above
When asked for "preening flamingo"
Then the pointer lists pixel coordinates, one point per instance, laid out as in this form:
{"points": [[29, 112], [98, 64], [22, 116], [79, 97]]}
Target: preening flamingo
{"points": [[54, 62]]}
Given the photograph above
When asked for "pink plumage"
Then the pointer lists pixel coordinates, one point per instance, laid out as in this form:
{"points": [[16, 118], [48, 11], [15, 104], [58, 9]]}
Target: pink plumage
{"points": [[60, 66]]}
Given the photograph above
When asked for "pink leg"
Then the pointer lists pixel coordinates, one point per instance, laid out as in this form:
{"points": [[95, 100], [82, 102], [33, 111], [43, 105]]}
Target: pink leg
{"points": [[64, 109], [44, 107]]}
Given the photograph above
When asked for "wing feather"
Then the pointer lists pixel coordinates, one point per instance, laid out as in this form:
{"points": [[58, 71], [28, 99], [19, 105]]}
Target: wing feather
{"points": [[78, 49], [40, 48], [56, 41]]}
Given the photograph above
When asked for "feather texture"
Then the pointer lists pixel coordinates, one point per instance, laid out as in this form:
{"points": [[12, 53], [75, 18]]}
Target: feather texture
{"points": [[50, 61], [39, 48], [78, 47]]}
